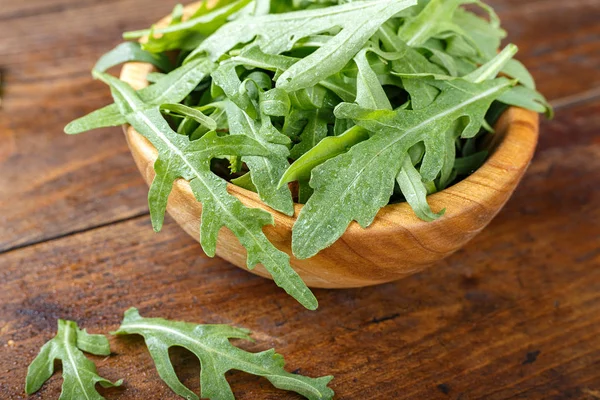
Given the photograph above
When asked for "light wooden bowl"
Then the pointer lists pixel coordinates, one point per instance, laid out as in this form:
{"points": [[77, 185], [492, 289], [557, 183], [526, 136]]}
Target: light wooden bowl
{"points": [[397, 244]]}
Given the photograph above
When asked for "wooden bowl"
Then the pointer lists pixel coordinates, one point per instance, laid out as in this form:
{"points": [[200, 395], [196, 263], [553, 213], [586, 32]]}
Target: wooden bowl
{"points": [[397, 244]]}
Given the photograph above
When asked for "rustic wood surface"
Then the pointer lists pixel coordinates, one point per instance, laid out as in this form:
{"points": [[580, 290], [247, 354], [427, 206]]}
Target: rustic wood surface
{"points": [[515, 314]]}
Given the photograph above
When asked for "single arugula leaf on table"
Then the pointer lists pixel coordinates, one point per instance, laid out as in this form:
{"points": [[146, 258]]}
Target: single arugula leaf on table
{"points": [[178, 157], [210, 343], [79, 373]]}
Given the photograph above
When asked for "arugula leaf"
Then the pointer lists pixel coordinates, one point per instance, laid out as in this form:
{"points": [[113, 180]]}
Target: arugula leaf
{"points": [[327, 148], [275, 103], [485, 35], [414, 191], [522, 96], [172, 88], [467, 165], [373, 165], [434, 18], [154, 77], [79, 373], [276, 33], [266, 171], [409, 63], [245, 182], [188, 34], [314, 131], [369, 93], [210, 343], [339, 50], [129, 51], [490, 69], [194, 114], [515, 69], [180, 158]]}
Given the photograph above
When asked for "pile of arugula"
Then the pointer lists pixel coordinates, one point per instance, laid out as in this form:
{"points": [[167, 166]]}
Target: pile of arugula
{"points": [[362, 103]]}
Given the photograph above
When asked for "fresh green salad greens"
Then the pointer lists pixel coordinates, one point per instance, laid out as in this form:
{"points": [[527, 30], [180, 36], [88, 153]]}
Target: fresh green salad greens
{"points": [[79, 373], [210, 343], [362, 103]]}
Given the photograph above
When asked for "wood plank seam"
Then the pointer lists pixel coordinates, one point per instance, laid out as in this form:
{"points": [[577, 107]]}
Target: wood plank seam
{"points": [[74, 232]]}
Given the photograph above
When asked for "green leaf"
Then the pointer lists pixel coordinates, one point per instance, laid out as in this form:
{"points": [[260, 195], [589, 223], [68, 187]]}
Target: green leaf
{"points": [[227, 79], [304, 192], [522, 96], [515, 69], [176, 14], [314, 131], [79, 374], [449, 154], [92, 343], [253, 56], [432, 19], [490, 69], [266, 171], [277, 33], [341, 85], [210, 343], [154, 77], [350, 90], [180, 158], [409, 63], [486, 35], [312, 98], [245, 182], [414, 191], [195, 114], [188, 34], [129, 51], [101, 118], [369, 93], [327, 148], [172, 88], [356, 184], [339, 50], [262, 7], [275, 102], [468, 165]]}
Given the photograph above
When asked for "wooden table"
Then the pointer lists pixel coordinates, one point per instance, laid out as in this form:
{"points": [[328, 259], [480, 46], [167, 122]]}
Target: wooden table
{"points": [[515, 314]]}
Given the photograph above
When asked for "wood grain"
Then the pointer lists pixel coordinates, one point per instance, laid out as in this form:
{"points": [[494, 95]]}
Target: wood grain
{"points": [[512, 315], [74, 182]]}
